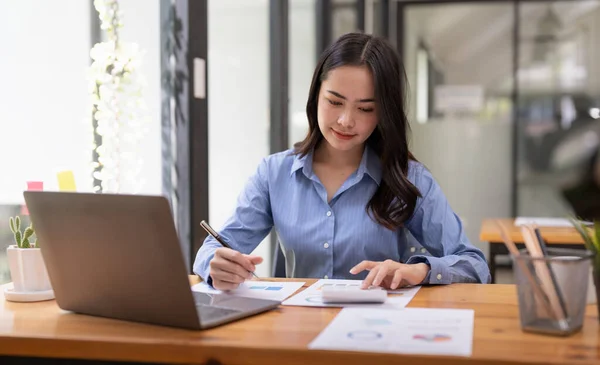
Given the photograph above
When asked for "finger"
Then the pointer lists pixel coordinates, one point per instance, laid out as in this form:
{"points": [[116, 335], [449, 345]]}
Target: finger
{"points": [[220, 264], [237, 257], [382, 273], [368, 281], [397, 279], [255, 260], [224, 285], [227, 276], [364, 265]]}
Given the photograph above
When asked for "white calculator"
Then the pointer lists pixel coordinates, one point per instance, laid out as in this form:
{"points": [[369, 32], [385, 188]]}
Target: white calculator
{"points": [[355, 294]]}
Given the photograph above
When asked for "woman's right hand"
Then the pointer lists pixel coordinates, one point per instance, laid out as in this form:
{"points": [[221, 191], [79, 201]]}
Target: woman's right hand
{"points": [[230, 268]]}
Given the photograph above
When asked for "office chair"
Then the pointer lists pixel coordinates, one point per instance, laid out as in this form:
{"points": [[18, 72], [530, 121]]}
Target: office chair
{"points": [[278, 262]]}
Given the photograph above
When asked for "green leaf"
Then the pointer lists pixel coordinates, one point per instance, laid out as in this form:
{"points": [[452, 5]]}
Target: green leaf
{"points": [[18, 220], [18, 238], [11, 223], [28, 233], [584, 234], [596, 236], [25, 243]]}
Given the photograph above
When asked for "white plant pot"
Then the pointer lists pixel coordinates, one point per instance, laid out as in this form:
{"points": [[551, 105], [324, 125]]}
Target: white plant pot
{"points": [[27, 270]]}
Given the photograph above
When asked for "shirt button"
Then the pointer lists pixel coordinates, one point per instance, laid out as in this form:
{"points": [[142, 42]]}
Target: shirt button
{"points": [[329, 213], [326, 245], [423, 250], [412, 249], [325, 277], [439, 276]]}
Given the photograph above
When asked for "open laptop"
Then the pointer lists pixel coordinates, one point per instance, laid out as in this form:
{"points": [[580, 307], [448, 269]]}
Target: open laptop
{"points": [[118, 256]]}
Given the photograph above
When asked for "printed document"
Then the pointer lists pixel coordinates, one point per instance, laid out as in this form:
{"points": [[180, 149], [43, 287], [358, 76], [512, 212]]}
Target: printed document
{"points": [[425, 331], [545, 222], [256, 289], [311, 296]]}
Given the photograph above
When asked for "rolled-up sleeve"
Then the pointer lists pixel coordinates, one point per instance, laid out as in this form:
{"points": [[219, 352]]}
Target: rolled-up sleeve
{"points": [[249, 224], [439, 230]]}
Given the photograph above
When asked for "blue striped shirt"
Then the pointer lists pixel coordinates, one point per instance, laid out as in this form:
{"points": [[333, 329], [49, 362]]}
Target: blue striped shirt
{"points": [[325, 240]]}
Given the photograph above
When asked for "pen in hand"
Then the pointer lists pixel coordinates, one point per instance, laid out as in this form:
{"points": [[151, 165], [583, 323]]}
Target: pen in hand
{"points": [[217, 237]]}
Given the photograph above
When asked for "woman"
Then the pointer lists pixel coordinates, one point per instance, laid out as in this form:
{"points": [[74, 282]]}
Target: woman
{"points": [[344, 199]]}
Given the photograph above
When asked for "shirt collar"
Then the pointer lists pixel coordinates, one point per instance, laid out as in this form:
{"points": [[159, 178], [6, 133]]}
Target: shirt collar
{"points": [[300, 162], [370, 164]]}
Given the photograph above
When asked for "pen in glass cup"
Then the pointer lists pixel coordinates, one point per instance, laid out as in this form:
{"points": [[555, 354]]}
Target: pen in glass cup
{"points": [[216, 236]]}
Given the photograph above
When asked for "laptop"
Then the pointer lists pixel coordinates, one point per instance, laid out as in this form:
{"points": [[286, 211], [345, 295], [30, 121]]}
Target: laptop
{"points": [[118, 256]]}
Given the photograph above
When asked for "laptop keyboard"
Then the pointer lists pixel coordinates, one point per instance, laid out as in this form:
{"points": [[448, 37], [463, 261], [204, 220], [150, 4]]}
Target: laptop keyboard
{"points": [[211, 312]]}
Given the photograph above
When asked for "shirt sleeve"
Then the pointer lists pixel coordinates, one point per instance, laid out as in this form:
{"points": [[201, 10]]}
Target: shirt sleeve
{"points": [[438, 229], [249, 224]]}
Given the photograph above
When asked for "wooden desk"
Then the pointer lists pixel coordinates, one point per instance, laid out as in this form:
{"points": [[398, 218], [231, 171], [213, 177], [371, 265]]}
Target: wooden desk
{"points": [[563, 237], [281, 336]]}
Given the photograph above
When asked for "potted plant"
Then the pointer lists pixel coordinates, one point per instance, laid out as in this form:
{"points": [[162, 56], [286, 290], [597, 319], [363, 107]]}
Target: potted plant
{"points": [[591, 239], [27, 268]]}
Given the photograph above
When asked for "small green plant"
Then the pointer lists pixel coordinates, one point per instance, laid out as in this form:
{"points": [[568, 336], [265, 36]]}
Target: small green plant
{"points": [[591, 238], [22, 238]]}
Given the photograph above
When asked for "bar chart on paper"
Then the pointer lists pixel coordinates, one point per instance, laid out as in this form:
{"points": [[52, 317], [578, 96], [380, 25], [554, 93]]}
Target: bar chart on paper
{"points": [[256, 289], [311, 297]]}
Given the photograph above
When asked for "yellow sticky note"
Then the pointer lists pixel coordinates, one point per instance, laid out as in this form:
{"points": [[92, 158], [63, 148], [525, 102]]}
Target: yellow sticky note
{"points": [[66, 181]]}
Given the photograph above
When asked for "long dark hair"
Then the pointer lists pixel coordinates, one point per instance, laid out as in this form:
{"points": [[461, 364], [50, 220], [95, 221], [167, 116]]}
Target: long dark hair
{"points": [[394, 201]]}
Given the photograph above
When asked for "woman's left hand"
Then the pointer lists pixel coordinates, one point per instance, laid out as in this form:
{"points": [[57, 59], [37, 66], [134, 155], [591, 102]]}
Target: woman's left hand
{"points": [[391, 274]]}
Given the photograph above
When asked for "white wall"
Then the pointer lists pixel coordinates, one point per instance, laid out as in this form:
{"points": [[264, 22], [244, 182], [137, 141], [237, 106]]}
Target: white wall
{"points": [[302, 62], [45, 123], [471, 162], [411, 43], [44, 119], [141, 25], [238, 110]]}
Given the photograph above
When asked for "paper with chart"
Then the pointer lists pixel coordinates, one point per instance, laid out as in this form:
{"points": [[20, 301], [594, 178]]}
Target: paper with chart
{"points": [[256, 289], [311, 296], [545, 222], [424, 331]]}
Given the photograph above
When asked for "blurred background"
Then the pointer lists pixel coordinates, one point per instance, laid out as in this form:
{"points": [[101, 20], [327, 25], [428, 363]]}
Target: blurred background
{"points": [[503, 99]]}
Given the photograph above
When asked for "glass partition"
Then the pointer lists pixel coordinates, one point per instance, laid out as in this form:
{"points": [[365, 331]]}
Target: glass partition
{"points": [[558, 109], [458, 59]]}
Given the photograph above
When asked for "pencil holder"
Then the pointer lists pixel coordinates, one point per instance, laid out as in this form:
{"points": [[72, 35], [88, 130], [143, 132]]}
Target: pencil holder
{"points": [[552, 290]]}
